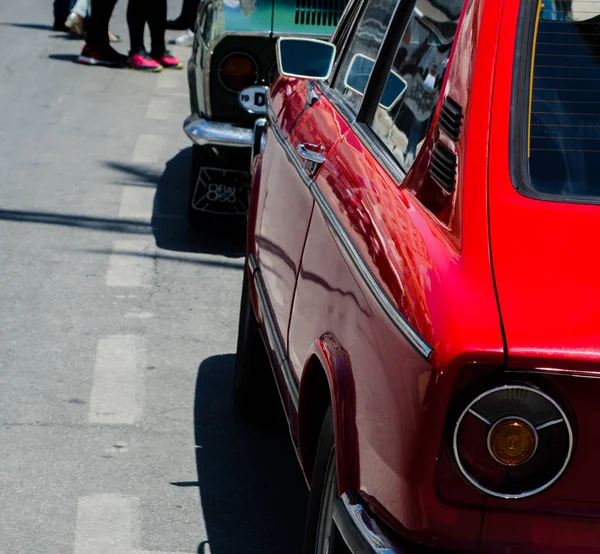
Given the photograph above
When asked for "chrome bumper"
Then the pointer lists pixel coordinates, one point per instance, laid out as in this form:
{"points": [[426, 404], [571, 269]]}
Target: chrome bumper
{"points": [[202, 132], [360, 531]]}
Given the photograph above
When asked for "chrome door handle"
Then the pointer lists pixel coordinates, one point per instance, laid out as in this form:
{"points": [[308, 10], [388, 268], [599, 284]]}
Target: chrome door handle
{"points": [[311, 153]]}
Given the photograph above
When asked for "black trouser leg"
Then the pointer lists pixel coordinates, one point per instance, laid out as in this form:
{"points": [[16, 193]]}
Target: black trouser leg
{"points": [[186, 18], [136, 21], [188, 11], [62, 9], [157, 21], [97, 28]]}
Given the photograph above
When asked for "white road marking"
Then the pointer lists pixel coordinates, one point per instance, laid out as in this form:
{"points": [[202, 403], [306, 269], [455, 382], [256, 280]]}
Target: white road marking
{"points": [[108, 524], [137, 203], [149, 149], [130, 264], [159, 108], [118, 390]]}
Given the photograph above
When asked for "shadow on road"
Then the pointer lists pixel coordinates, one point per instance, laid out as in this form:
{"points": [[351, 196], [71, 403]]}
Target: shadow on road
{"points": [[170, 226], [252, 491], [64, 57], [34, 26], [126, 226], [169, 222]]}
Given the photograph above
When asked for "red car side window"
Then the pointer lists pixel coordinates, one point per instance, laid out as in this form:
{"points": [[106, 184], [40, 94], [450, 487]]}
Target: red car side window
{"points": [[420, 62], [366, 42]]}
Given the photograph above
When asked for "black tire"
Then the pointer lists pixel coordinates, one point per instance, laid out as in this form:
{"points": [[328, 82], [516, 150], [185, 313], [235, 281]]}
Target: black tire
{"points": [[254, 388], [323, 492]]}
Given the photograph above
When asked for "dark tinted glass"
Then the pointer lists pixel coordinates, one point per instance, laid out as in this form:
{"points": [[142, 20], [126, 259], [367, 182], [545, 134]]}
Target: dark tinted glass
{"points": [[420, 62], [564, 130], [366, 41], [306, 58], [358, 77]]}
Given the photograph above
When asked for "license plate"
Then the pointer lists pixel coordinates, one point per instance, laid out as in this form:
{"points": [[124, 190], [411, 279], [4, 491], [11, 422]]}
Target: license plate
{"points": [[222, 191], [254, 99]]}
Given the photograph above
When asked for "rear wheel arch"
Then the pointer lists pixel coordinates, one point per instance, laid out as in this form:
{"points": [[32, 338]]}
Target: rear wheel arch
{"points": [[327, 380]]}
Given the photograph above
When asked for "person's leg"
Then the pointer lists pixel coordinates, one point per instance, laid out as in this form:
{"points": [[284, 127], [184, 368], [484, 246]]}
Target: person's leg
{"points": [[138, 12], [185, 20], [136, 21], [61, 12], [97, 50], [97, 32], [82, 8], [157, 21]]}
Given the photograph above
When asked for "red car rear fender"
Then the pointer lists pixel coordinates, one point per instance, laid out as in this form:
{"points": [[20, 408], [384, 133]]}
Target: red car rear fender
{"points": [[327, 380]]}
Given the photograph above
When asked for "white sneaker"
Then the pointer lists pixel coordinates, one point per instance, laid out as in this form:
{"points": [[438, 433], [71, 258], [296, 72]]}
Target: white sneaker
{"points": [[187, 39]]}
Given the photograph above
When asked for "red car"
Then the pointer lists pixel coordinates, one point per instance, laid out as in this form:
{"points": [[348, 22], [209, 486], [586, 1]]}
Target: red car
{"points": [[419, 280]]}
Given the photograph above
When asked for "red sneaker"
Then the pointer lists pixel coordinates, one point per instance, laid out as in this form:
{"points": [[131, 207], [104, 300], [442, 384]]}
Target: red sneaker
{"points": [[168, 61], [103, 56], [143, 62]]}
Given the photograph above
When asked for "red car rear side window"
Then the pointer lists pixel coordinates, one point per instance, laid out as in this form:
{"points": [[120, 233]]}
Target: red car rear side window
{"points": [[560, 129], [420, 64]]}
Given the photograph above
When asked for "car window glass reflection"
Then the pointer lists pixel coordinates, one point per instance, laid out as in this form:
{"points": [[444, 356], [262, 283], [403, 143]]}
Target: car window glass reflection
{"points": [[564, 110], [420, 61], [366, 41]]}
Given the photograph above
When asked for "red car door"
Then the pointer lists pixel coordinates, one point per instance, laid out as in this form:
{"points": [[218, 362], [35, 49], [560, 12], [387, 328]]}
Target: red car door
{"points": [[303, 127]]}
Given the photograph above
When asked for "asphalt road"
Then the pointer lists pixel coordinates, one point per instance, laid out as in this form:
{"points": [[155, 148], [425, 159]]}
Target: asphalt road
{"points": [[117, 323]]}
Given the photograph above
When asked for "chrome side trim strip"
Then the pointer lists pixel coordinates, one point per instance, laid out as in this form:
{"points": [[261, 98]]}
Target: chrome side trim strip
{"points": [[201, 131], [411, 335], [282, 360], [359, 530], [365, 271]]}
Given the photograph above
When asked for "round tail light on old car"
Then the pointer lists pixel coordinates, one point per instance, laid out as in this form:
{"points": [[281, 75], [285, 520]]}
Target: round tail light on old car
{"points": [[238, 71], [512, 441]]}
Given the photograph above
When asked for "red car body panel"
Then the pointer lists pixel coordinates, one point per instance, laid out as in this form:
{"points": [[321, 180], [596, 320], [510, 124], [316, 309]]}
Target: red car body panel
{"points": [[459, 270]]}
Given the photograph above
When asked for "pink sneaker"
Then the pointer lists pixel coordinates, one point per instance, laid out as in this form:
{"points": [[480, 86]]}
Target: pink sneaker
{"points": [[168, 61], [143, 62]]}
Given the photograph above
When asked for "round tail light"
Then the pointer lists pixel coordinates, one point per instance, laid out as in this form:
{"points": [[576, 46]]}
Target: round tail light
{"points": [[512, 441], [237, 71]]}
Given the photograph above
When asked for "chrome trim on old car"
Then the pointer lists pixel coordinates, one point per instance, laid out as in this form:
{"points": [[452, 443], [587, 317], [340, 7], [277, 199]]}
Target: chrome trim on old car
{"points": [[387, 305], [202, 131], [359, 530], [271, 327]]}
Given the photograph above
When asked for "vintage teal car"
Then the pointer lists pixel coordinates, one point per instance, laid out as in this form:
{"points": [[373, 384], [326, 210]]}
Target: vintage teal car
{"points": [[232, 65]]}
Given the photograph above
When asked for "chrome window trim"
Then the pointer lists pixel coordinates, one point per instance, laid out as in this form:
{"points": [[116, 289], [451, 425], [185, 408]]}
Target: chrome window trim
{"points": [[208, 54], [485, 490], [283, 362], [335, 225]]}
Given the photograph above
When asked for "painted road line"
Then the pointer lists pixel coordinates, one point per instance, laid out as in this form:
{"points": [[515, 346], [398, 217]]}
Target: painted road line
{"points": [[149, 149], [137, 203], [109, 524], [117, 396], [159, 108], [130, 264]]}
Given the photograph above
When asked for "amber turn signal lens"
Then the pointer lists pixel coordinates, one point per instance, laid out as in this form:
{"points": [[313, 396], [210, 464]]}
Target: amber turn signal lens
{"points": [[512, 441], [238, 71]]}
